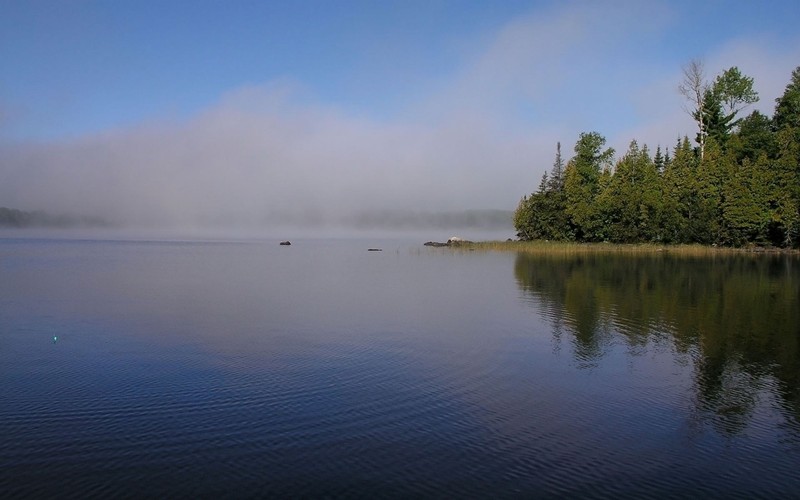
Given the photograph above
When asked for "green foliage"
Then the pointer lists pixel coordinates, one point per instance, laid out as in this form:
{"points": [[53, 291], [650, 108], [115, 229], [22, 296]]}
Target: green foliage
{"points": [[680, 205], [718, 104], [786, 122], [524, 219], [582, 183], [745, 205], [755, 138], [631, 203], [542, 215], [740, 188], [716, 124], [734, 91], [660, 160], [730, 93], [787, 109], [712, 172]]}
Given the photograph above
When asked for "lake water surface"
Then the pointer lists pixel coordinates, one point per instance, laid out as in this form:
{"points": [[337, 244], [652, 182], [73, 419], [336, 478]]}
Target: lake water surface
{"points": [[246, 369]]}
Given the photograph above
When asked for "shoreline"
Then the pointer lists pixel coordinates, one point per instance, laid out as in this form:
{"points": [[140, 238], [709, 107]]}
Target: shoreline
{"points": [[548, 247]]}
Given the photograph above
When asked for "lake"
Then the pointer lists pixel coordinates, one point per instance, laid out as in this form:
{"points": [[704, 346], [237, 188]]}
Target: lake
{"points": [[243, 368]]}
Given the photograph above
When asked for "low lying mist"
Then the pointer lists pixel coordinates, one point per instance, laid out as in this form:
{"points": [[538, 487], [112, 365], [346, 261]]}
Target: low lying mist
{"points": [[472, 224], [258, 159]]}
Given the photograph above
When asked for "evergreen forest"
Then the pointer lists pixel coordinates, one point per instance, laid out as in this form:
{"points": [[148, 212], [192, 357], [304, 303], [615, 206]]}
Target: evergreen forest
{"points": [[737, 183]]}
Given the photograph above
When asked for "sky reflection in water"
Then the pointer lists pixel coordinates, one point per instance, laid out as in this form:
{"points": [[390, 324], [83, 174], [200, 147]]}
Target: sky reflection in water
{"points": [[323, 369]]}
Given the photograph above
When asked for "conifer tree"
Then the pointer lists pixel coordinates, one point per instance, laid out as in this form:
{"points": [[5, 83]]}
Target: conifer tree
{"points": [[787, 109], [786, 120], [740, 187], [658, 159], [582, 183], [681, 207]]}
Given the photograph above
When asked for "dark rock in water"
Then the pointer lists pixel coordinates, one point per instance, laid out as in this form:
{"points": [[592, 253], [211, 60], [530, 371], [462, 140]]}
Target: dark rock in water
{"points": [[374, 249], [435, 244], [286, 243]]}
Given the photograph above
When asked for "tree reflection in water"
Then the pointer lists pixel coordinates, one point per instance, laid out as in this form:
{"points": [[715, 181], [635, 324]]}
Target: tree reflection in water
{"points": [[736, 318]]}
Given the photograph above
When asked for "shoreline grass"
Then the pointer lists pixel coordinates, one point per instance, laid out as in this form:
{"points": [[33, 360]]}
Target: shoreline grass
{"points": [[571, 248]]}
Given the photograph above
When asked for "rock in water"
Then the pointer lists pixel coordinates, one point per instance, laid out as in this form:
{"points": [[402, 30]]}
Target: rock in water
{"points": [[286, 243]]}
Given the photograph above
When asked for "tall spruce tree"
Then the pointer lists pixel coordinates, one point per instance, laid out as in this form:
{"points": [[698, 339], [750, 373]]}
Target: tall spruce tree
{"points": [[659, 159], [787, 108], [582, 183], [557, 173], [542, 214], [681, 205]]}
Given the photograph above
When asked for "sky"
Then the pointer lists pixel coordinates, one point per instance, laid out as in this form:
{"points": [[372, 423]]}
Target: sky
{"points": [[246, 112]]}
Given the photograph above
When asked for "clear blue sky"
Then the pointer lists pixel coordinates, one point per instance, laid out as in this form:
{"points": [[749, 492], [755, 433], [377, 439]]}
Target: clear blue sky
{"points": [[70, 67], [449, 84], [73, 67]]}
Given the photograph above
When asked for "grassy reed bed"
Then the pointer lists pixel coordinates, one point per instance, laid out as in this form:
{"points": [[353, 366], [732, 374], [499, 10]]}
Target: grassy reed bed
{"points": [[568, 248]]}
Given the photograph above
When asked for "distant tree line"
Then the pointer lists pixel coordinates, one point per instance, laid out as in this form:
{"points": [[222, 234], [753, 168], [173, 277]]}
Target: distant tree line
{"points": [[740, 184], [11, 217]]}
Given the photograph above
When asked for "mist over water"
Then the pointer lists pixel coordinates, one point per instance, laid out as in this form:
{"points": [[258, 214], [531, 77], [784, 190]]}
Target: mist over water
{"points": [[258, 159], [411, 232]]}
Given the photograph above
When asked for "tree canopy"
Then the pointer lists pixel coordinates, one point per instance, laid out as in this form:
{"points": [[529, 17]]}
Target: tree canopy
{"points": [[741, 186]]}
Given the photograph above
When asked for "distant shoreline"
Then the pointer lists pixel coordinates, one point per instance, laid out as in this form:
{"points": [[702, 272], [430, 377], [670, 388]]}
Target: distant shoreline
{"points": [[12, 218]]}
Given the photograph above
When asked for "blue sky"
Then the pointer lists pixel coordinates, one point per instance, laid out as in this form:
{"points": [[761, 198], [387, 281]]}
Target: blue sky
{"points": [[77, 67], [399, 102]]}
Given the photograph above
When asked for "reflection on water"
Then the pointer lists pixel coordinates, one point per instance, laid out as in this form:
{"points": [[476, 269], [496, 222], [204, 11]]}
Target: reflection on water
{"points": [[735, 319], [322, 370]]}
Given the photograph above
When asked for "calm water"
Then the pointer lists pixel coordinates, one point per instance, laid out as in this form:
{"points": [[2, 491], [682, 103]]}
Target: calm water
{"points": [[207, 369]]}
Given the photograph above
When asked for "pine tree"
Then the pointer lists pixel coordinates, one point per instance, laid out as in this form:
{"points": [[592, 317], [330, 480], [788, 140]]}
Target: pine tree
{"points": [[630, 205], [659, 160], [745, 204], [680, 208], [557, 222], [754, 138], [787, 109], [713, 173], [786, 122], [557, 173], [582, 183]]}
